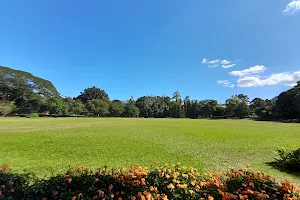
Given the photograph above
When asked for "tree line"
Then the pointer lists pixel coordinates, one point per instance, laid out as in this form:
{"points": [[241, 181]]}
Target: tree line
{"points": [[23, 93]]}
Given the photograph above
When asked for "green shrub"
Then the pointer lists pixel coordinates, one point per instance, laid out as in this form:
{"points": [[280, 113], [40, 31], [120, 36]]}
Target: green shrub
{"points": [[289, 160], [159, 182], [33, 115]]}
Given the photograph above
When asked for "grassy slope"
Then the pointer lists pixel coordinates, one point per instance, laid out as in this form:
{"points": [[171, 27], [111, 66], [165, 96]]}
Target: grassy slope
{"points": [[48, 145]]}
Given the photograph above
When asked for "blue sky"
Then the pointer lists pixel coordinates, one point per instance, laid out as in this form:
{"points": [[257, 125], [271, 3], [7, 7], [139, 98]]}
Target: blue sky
{"points": [[204, 49]]}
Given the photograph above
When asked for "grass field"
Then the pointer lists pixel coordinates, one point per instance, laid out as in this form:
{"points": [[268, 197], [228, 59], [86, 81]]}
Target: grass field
{"points": [[48, 145]]}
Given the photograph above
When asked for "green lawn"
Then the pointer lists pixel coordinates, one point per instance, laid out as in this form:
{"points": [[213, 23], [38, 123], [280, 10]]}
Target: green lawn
{"points": [[48, 145]]}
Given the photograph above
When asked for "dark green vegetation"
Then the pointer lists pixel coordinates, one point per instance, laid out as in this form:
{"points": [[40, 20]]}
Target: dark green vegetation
{"points": [[289, 160], [48, 145], [23, 93], [137, 183]]}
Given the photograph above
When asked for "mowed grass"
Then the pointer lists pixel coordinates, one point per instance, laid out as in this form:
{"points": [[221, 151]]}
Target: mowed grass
{"points": [[48, 145]]}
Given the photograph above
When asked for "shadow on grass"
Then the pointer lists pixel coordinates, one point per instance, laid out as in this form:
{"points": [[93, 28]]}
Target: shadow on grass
{"points": [[290, 170]]}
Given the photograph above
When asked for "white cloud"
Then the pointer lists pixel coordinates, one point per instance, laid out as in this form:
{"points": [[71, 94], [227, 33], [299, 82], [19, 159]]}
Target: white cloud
{"points": [[252, 70], [204, 61], [292, 7], [225, 62], [213, 61], [274, 79], [225, 83], [228, 66]]}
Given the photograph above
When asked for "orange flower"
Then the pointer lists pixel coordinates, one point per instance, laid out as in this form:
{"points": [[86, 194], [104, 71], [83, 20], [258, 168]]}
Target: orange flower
{"points": [[182, 186], [191, 192], [210, 198], [193, 183], [143, 182], [185, 176], [171, 186]]}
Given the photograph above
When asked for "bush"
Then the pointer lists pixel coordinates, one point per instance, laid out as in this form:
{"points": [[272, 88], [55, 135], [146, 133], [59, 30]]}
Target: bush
{"points": [[33, 115], [289, 160], [159, 182]]}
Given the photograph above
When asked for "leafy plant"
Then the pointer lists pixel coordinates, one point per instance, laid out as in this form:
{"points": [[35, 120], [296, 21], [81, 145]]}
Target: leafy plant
{"points": [[289, 160], [33, 115]]}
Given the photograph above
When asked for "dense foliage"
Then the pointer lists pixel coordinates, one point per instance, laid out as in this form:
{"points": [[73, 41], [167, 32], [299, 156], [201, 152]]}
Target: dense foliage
{"points": [[157, 182], [289, 160], [23, 93]]}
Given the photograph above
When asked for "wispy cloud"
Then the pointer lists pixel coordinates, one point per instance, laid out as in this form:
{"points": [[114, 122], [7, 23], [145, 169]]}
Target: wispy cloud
{"points": [[225, 83], [225, 62], [215, 63], [228, 66], [205, 61], [252, 70], [288, 79]]}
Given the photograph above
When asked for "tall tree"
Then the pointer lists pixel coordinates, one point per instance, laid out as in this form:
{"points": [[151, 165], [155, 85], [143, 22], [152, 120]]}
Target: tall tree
{"points": [[116, 108], [93, 93], [236, 107], [27, 91], [287, 104]]}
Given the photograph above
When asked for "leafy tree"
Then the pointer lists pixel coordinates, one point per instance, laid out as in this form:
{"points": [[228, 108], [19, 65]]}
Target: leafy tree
{"points": [[77, 108], [219, 111], [98, 107], [243, 98], [116, 108], [287, 104], [131, 111], [6, 108], [236, 107], [256, 103], [56, 106], [176, 110], [152, 106], [262, 108], [93, 93], [28, 92], [17, 82], [187, 106], [176, 96], [208, 107]]}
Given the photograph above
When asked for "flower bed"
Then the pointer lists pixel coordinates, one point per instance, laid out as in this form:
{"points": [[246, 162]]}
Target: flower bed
{"points": [[156, 182]]}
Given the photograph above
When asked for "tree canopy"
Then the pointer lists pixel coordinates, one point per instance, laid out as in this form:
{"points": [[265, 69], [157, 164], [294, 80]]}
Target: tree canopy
{"points": [[24, 93]]}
